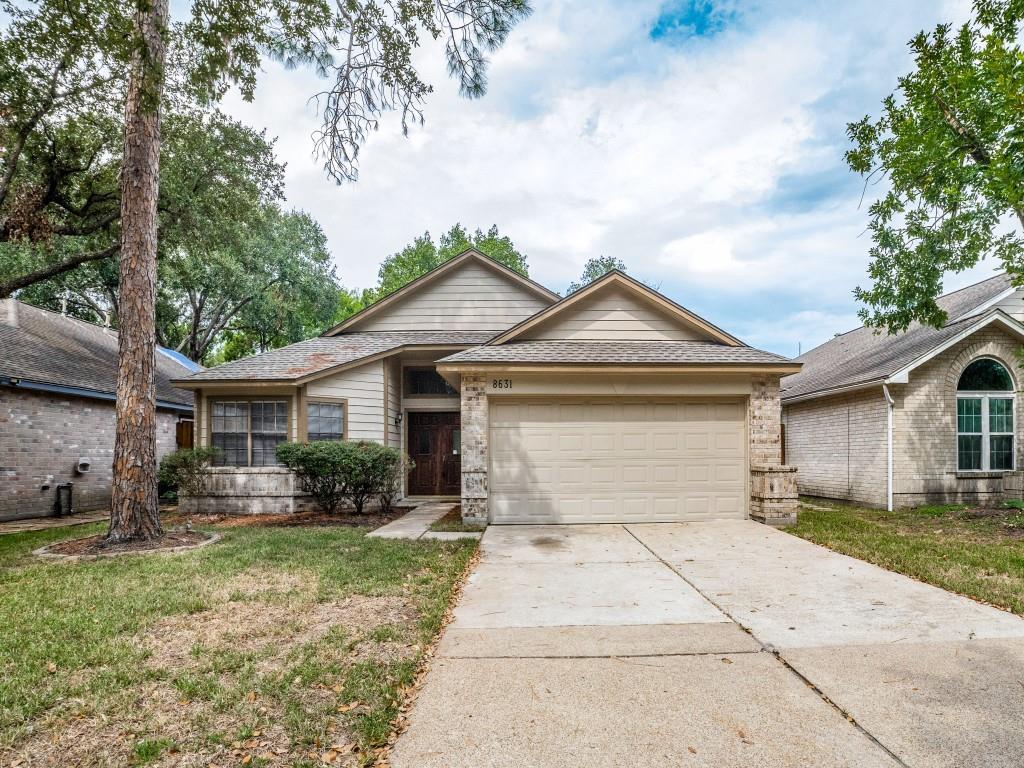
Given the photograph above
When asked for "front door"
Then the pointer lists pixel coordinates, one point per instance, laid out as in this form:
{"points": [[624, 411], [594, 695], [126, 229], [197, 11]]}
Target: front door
{"points": [[434, 444]]}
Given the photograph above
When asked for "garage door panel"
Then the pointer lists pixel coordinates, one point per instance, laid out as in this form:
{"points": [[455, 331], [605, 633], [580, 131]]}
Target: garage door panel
{"points": [[616, 461]]}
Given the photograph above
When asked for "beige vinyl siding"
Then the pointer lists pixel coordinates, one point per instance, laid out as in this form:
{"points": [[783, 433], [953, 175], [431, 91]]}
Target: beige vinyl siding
{"points": [[394, 369], [470, 298], [838, 445], [363, 388], [611, 315], [925, 425]]}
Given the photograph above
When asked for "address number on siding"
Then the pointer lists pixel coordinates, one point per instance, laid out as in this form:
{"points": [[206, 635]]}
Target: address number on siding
{"points": [[501, 383]]}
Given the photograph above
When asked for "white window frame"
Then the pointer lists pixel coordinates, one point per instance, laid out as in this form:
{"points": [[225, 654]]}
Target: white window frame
{"points": [[986, 433]]}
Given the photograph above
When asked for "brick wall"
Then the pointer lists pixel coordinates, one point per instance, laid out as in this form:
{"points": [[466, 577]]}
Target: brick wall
{"points": [[839, 446], [925, 425], [474, 448], [43, 434], [764, 419]]}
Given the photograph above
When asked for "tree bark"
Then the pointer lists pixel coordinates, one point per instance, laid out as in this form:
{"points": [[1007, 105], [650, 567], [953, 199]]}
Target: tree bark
{"points": [[135, 512]]}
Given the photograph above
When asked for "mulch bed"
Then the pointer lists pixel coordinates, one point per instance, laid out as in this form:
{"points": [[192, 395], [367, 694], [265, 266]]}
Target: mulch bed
{"points": [[98, 545], [372, 518]]}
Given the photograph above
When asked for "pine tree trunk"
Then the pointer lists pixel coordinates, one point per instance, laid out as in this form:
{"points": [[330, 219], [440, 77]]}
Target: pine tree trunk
{"points": [[135, 512]]}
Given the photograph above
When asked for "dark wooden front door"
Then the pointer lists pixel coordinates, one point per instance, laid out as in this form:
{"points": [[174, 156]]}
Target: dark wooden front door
{"points": [[434, 445]]}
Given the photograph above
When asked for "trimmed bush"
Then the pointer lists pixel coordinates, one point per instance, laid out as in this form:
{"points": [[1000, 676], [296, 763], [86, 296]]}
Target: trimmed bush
{"points": [[395, 469], [332, 471], [185, 470]]}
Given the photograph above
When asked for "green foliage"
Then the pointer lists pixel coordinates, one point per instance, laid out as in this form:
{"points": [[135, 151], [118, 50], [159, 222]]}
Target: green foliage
{"points": [[332, 471], [1014, 504], [949, 144], [423, 255], [186, 469], [595, 268]]}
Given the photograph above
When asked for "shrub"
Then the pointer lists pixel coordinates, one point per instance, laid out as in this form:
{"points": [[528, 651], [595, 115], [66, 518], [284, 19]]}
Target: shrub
{"points": [[397, 467], [185, 470], [332, 471], [321, 469]]}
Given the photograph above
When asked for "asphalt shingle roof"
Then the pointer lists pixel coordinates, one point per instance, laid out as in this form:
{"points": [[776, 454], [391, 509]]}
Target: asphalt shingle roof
{"points": [[617, 352], [866, 355], [45, 347], [314, 355]]}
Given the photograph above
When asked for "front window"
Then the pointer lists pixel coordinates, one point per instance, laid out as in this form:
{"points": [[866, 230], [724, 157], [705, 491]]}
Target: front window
{"points": [[984, 418], [246, 433], [325, 421], [427, 382]]}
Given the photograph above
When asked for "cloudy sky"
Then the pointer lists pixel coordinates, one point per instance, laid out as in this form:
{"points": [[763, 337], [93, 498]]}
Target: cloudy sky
{"points": [[700, 142]]}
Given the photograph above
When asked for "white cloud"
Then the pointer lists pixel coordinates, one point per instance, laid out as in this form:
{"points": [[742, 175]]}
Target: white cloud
{"points": [[595, 139]]}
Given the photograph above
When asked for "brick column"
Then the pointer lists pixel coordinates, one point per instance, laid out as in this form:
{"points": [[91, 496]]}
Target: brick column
{"points": [[773, 491], [474, 449]]}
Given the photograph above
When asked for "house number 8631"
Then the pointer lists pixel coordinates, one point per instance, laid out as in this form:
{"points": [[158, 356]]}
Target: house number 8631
{"points": [[501, 384]]}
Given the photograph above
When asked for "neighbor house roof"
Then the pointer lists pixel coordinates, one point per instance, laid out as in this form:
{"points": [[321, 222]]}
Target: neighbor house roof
{"points": [[297, 362], [48, 351], [655, 353], [867, 356]]}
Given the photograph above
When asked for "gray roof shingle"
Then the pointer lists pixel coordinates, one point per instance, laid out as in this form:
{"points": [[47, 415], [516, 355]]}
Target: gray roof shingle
{"points": [[45, 347], [617, 353], [297, 361], [866, 355]]}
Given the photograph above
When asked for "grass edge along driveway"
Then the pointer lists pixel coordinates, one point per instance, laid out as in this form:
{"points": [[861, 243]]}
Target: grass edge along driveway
{"points": [[976, 553]]}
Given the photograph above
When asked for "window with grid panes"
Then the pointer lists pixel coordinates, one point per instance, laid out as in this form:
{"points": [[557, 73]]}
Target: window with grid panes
{"points": [[325, 421], [984, 418]]}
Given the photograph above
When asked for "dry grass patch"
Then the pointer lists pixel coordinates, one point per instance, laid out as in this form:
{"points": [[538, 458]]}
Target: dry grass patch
{"points": [[286, 647]]}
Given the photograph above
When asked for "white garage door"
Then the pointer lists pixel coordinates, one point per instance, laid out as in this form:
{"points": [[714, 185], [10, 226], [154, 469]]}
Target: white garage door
{"points": [[616, 460]]}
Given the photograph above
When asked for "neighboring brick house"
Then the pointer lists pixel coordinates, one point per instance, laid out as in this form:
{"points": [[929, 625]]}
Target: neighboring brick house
{"points": [[943, 398], [613, 404], [58, 376]]}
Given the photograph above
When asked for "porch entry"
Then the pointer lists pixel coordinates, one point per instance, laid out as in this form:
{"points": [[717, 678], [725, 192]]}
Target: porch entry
{"points": [[434, 444]]}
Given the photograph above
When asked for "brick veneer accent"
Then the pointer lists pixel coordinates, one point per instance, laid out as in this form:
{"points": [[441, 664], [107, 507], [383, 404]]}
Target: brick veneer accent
{"points": [[46, 434], [474, 449], [773, 494], [248, 491]]}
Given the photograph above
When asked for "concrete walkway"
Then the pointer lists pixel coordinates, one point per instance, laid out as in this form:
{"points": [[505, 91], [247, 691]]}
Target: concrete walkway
{"points": [[416, 525], [46, 523], [711, 644]]}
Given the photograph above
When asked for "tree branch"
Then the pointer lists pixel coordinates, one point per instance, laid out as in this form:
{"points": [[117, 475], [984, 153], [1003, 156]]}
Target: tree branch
{"points": [[9, 287]]}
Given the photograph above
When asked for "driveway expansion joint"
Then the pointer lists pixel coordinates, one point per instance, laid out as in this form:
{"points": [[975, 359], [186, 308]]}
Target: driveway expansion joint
{"points": [[767, 648]]}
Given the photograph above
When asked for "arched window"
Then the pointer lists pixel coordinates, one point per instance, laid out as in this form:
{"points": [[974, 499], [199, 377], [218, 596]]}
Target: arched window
{"points": [[984, 417]]}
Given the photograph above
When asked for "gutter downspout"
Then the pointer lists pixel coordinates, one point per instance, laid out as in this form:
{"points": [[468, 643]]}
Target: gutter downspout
{"points": [[888, 429]]}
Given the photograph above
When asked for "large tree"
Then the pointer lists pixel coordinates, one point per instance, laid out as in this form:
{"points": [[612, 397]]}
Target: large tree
{"points": [[949, 147], [363, 48], [423, 254], [593, 269]]}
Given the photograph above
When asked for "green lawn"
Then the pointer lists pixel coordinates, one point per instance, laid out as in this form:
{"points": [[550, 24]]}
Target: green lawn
{"points": [[274, 646], [977, 553]]}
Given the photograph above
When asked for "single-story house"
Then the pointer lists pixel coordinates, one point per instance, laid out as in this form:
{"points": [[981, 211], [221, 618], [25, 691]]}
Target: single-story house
{"points": [[58, 378], [929, 415], [612, 404]]}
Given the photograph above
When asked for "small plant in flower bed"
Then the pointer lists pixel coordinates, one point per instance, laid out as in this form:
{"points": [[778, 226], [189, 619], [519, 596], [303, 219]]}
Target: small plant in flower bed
{"points": [[185, 470], [333, 471]]}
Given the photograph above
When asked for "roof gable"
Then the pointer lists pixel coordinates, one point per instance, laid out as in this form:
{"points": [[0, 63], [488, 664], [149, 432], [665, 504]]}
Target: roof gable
{"points": [[471, 292], [616, 307]]}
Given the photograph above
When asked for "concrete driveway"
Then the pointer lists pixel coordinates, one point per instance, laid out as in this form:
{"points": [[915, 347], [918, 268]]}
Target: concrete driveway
{"points": [[711, 644]]}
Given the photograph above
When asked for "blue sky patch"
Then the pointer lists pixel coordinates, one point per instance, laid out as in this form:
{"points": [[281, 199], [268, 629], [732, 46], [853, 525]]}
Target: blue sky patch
{"points": [[680, 20]]}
